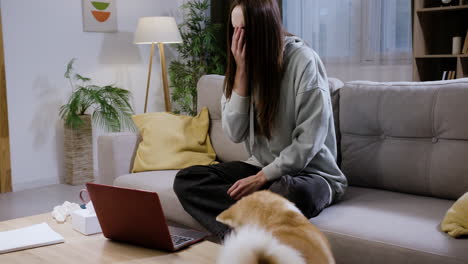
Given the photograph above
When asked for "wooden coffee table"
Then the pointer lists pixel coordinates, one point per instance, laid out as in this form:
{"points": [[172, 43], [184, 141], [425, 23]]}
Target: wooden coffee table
{"points": [[79, 248]]}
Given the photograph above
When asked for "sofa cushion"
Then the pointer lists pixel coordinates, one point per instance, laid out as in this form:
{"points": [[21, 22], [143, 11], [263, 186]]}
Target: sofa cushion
{"points": [[376, 226], [406, 137], [161, 183], [455, 222], [181, 141]]}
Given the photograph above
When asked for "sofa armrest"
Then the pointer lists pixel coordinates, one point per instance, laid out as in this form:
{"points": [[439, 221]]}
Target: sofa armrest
{"points": [[116, 152]]}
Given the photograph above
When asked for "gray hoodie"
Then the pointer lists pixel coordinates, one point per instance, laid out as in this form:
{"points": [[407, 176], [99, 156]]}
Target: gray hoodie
{"points": [[303, 137]]}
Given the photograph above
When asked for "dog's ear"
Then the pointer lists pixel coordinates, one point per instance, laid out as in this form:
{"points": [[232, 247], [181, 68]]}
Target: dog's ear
{"points": [[227, 217]]}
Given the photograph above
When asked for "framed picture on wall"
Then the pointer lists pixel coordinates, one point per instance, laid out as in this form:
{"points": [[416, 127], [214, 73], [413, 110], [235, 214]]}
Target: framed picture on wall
{"points": [[99, 16]]}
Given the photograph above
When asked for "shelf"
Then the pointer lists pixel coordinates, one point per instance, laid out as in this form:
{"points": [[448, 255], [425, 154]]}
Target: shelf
{"points": [[434, 27], [441, 9], [438, 30], [431, 68], [464, 67], [436, 56], [437, 3]]}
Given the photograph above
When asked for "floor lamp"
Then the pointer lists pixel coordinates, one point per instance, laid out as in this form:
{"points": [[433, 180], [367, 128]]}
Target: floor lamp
{"points": [[157, 30]]}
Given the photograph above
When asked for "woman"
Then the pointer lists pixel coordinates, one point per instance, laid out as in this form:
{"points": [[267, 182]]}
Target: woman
{"points": [[276, 100]]}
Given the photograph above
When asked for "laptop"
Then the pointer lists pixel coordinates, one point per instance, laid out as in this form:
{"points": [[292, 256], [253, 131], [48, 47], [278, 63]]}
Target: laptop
{"points": [[136, 217]]}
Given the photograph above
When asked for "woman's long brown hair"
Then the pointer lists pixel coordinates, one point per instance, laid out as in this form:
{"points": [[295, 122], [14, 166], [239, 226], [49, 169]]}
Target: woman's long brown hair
{"points": [[263, 58]]}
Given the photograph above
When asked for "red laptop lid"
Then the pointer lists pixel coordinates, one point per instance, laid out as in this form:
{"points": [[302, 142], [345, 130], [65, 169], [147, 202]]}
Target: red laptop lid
{"points": [[129, 215]]}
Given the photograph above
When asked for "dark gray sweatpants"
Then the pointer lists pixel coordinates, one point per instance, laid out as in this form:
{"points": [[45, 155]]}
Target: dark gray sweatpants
{"points": [[202, 191]]}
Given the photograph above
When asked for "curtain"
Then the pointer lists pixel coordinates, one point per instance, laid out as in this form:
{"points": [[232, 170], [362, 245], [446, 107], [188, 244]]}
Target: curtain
{"points": [[356, 39]]}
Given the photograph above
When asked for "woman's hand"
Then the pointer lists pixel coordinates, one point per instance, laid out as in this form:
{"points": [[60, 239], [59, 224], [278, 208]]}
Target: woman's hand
{"points": [[238, 51], [247, 185], [238, 48]]}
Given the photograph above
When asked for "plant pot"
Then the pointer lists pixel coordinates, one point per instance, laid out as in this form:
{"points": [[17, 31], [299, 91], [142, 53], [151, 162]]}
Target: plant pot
{"points": [[79, 153]]}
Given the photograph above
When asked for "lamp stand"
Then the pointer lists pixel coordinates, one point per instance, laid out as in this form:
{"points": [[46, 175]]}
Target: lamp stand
{"points": [[149, 76], [167, 100]]}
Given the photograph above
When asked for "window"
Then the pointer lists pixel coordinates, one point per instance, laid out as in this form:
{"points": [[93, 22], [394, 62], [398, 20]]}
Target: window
{"points": [[354, 31]]}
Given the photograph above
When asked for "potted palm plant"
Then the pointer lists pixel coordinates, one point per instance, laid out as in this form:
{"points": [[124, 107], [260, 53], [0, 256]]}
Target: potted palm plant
{"points": [[107, 107]]}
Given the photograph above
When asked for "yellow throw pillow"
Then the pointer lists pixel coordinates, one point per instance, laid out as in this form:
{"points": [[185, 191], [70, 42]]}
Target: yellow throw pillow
{"points": [[173, 142], [456, 220]]}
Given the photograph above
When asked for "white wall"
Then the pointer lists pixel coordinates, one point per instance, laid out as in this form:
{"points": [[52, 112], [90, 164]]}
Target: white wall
{"points": [[40, 37]]}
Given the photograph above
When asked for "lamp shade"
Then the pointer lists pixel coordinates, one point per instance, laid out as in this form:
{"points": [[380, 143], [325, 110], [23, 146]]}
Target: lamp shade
{"points": [[157, 30]]}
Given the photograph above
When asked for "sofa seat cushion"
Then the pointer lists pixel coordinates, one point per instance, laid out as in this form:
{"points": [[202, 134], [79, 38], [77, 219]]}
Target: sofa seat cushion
{"points": [[161, 183], [377, 226]]}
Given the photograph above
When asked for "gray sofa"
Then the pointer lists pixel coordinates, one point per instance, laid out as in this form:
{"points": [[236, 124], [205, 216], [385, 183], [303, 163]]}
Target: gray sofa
{"points": [[403, 148]]}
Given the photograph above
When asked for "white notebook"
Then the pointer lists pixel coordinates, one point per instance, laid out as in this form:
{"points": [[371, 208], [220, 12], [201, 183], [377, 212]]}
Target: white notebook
{"points": [[28, 237]]}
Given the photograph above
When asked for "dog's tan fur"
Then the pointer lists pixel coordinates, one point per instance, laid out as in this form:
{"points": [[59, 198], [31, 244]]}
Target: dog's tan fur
{"points": [[280, 217]]}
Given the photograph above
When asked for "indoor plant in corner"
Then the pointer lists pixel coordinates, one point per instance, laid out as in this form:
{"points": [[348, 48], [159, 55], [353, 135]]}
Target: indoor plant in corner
{"points": [[107, 107], [199, 54]]}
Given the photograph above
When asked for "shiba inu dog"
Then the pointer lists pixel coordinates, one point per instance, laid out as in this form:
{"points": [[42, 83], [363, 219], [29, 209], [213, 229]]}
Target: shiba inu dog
{"points": [[269, 229]]}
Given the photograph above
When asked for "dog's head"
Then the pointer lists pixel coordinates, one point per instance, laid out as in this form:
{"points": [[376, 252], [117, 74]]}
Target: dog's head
{"points": [[258, 208]]}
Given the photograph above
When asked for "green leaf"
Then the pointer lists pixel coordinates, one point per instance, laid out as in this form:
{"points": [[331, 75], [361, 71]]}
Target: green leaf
{"points": [[81, 78], [199, 54], [69, 68]]}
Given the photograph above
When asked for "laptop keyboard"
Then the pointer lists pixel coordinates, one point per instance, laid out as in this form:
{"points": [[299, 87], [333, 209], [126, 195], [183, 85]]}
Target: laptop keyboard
{"points": [[179, 240]]}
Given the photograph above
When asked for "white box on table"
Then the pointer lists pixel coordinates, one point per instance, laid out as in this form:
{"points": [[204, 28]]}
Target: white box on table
{"points": [[85, 222]]}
